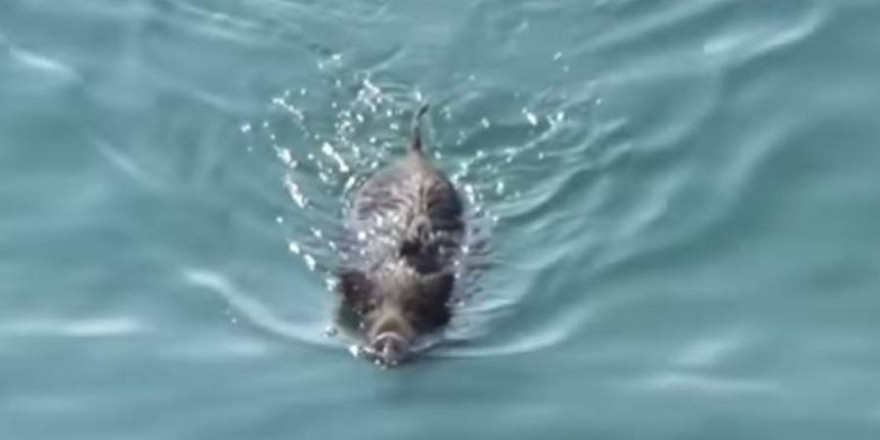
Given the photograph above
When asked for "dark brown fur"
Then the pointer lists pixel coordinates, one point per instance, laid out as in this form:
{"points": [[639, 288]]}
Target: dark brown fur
{"points": [[405, 228]]}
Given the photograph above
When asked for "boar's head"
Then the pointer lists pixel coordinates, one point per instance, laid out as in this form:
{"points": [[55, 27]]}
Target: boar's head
{"points": [[392, 308]]}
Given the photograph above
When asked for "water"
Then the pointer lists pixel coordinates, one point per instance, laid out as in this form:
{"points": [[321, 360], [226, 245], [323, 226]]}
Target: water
{"points": [[680, 200]]}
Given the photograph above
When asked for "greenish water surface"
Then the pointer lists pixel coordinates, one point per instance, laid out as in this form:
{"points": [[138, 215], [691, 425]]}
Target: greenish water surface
{"points": [[681, 200]]}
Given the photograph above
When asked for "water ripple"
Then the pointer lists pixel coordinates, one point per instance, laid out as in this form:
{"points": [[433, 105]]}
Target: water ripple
{"points": [[115, 326], [31, 70], [256, 313], [728, 387]]}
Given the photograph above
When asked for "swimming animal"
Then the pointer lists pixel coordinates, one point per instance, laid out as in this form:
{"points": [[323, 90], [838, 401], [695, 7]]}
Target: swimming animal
{"points": [[404, 231]]}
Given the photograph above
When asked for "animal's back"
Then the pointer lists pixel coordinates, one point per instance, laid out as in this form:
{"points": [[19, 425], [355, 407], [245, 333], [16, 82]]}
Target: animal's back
{"points": [[409, 210]]}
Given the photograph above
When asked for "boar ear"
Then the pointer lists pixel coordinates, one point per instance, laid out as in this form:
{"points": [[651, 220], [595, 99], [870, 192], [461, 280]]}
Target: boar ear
{"points": [[439, 286], [353, 284]]}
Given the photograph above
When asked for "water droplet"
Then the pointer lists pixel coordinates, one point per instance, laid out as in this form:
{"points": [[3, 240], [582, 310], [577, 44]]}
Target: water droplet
{"points": [[557, 56], [293, 247], [446, 112], [284, 155], [371, 88], [310, 262], [355, 350], [246, 128], [485, 123], [295, 192], [279, 220], [328, 150], [530, 116]]}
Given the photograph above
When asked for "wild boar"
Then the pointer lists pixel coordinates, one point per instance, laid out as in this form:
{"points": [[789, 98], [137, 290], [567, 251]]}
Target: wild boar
{"points": [[405, 229]]}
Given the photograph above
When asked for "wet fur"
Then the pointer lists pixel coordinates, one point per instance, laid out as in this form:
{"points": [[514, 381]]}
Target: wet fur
{"points": [[404, 231]]}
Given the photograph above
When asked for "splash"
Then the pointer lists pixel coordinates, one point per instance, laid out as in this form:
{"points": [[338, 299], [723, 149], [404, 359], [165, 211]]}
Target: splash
{"points": [[324, 159]]}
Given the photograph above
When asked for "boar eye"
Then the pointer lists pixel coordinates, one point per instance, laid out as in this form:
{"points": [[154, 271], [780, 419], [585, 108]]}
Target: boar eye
{"points": [[364, 307], [354, 284], [428, 314], [415, 308]]}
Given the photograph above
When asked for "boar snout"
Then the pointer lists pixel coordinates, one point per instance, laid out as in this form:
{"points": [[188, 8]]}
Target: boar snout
{"points": [[391, 339], [390, 348]]}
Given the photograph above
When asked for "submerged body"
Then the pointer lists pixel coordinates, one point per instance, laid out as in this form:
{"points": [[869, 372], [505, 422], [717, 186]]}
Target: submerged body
{"points": [[405, 231]]}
